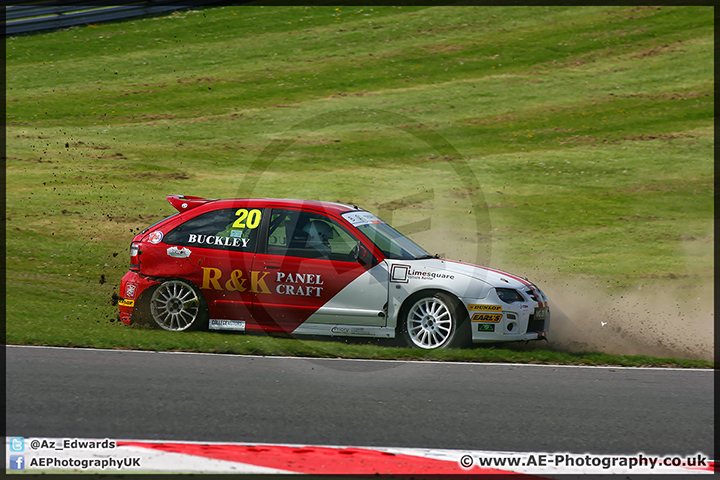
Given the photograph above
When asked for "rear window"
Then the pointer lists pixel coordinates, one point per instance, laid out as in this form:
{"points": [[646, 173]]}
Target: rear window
{"points": [[158, 223], [227, 229]]}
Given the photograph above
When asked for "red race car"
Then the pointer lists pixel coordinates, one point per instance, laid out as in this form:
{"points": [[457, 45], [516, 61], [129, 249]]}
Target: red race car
{"points": [[316, 268]]}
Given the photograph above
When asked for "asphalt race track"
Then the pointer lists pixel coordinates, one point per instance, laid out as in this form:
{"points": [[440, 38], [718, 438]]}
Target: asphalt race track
{"points": [[56, 392]]}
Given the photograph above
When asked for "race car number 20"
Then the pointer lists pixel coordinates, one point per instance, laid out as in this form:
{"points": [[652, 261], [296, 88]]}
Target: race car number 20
{"points": [[247, 218]]}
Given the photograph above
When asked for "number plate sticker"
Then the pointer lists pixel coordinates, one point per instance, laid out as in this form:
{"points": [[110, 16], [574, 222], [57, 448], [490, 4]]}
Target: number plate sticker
{"points": [[221, 324]]}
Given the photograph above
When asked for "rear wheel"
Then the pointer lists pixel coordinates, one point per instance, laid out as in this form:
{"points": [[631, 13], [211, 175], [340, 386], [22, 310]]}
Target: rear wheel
{"points": [[434, 321], [176, 305]]}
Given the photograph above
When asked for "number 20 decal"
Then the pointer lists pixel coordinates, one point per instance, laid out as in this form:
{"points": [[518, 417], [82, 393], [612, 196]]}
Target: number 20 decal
{"points": [[247, 218]]}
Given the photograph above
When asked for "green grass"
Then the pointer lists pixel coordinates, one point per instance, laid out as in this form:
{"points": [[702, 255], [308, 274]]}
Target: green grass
{"points": [[562, 141]]}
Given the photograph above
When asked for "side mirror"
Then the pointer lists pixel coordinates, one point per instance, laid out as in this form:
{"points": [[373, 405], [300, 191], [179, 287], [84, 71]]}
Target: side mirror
{"points": [[362, 255]]}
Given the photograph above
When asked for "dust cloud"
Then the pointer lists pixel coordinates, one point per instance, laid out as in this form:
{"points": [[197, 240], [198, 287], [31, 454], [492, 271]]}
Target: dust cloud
{"points": [[659, 320]]}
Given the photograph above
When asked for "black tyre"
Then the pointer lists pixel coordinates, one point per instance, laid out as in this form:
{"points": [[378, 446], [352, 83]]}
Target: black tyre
{"points": [[177, 306], [435, 321]]}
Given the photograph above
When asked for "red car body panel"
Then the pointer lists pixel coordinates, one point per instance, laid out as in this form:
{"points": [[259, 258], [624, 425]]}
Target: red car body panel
{"points": [[273, 293]]}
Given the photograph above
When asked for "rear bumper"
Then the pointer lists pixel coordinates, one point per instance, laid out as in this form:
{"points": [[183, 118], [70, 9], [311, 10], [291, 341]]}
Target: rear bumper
{"points": [[132, 287]]}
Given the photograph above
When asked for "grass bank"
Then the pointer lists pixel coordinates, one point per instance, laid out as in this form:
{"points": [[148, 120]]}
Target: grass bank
{"points": [[587, 133]]}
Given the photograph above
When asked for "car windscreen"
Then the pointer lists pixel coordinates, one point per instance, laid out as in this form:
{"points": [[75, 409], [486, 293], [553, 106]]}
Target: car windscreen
{"points": [[392, 243]]}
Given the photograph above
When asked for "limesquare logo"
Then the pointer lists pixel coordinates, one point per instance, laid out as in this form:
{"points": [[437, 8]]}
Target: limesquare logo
{"points": [[17, 462], [17, 444]]}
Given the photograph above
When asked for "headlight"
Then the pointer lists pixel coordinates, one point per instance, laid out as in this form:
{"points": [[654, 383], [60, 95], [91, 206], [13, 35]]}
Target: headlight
{"points": [[508, 295]]}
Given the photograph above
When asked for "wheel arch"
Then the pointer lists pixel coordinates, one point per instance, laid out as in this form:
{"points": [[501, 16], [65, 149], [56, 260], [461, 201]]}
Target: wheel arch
{"points": [[142, 305], [425, 292]]}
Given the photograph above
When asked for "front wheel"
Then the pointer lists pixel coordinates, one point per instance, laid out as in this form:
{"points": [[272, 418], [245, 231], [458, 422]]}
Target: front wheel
{"points": [[434, 321], [177, 306]]}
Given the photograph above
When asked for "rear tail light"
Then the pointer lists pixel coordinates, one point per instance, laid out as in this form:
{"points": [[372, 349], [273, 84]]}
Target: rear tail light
{"points": [[135, 256]]}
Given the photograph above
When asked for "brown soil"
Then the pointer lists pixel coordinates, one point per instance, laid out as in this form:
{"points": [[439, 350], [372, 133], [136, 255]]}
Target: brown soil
{"points": [[658, 321]]}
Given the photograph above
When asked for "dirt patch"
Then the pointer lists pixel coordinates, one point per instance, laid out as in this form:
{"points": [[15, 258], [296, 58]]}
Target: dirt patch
{"points": [[443, 48], [351, 94], [664, 188], [665, 96], [146, 119], [187, 80], [114, 156], [500, 119], [147, 218], [319, 141], [410, 202], [156, 175], [659, 50], [662, 136], [594, 140], [656, 321]]}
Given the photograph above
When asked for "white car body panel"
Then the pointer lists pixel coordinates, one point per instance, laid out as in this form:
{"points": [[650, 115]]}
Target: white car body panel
{"points": [[342, 309], [388, 285]]}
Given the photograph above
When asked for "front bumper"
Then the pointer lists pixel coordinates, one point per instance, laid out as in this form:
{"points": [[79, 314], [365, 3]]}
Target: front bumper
{"points": [[521, 324]]}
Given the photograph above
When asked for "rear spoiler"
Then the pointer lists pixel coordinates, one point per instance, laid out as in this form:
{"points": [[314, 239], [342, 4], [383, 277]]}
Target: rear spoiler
{"points": [[184, 203]]}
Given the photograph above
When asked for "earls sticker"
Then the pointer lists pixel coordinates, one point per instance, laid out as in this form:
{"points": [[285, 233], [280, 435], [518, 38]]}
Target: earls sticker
{"points": [[487, 317]]}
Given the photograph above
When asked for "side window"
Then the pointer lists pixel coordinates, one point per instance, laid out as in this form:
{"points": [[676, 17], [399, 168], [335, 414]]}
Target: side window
{"points": [[310, 235], [227, 229]]}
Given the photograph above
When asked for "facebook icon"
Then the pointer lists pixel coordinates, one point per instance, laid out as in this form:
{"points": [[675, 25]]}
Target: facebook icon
{"points": [[17, 462]]}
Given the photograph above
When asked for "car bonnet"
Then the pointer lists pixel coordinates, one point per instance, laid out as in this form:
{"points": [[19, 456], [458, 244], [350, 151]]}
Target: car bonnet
{"points": [[491, 276]]}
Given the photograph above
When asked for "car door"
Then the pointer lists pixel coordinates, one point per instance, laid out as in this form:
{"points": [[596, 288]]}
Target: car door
{"points": [[309, 275], [215, 251]]}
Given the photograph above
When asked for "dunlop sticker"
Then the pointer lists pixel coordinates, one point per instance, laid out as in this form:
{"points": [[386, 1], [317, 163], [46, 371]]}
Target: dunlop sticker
{"points": [[485, 308], [126, 303]]}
